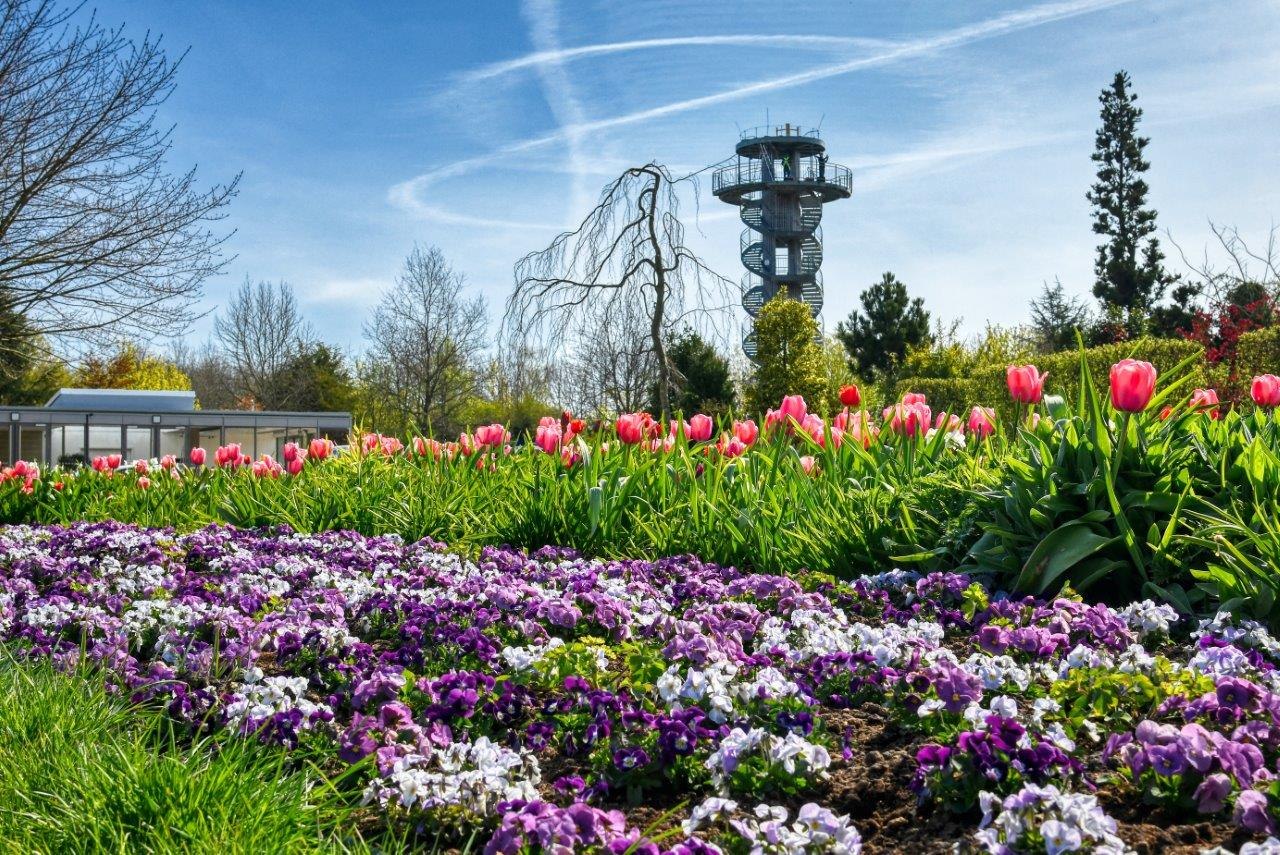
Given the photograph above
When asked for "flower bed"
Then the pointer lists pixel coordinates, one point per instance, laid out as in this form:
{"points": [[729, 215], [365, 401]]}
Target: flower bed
{"points": [[550, 701]]}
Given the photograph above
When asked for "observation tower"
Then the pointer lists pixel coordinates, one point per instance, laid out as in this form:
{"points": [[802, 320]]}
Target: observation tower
{"points": [[780, 180]]}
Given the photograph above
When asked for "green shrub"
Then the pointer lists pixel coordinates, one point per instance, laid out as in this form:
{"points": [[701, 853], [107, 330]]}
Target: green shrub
{"points": [[986, 385]]}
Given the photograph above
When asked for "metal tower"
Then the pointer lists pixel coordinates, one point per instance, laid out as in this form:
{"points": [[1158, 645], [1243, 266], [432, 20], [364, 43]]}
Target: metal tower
{"points": [[780, 181]]}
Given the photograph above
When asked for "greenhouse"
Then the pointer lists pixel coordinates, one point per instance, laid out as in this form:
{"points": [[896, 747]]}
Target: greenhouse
{"points": [[77, 425]]}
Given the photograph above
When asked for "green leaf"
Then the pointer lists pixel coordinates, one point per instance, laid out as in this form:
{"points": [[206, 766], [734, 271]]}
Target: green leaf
{"points": [[1061, 550]]}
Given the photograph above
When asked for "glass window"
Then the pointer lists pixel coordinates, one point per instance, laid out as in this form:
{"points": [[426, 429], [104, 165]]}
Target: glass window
{"points": [[173, 441], [31, 443], [68, 445], [271, 441], [104, 440], [137, 444], [243, 436], [4, 443], [209, 439]]}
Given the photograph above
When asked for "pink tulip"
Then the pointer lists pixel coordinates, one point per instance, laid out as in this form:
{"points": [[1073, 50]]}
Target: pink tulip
{"points": [[746, 431], [197, 456], [168, 462], [294, 466], [948, 422], [1265, 390], [794, 408], [914, 398], [982, 422], [144, 482], [808, 464], [730, 446], [700, 428], [773, 419], [1133, 382], [290, 451], [850, 396], [631, 427], [491, 436], [858, 425], [1205, 401], [141, 467], [319, 448], [548, 437], [908, 418], [815, 427], [113, 461], [99, 464], [1026, 383]]}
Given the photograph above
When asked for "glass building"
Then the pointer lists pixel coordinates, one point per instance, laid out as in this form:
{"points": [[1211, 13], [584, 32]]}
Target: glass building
{"points": [[77, 425]]}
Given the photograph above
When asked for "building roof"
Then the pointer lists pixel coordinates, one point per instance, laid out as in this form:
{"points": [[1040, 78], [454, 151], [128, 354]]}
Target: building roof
{"points": [[123, 400]]}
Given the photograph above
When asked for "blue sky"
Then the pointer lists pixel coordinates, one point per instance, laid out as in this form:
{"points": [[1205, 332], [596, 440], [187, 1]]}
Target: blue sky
{"points": [[483, 127]]}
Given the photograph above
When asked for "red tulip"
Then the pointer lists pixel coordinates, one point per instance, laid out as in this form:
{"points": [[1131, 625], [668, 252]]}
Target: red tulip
{"points": [[982, 422], [700, 428], [746, 431], [1133, 382], [1205, 400], [99, 464], [849, 396], [631, 427], [113, 461], [319, 448], [197, 456], [294, 466], [1265, 390], [1026, 384], [1165, 412], [290, 451]]}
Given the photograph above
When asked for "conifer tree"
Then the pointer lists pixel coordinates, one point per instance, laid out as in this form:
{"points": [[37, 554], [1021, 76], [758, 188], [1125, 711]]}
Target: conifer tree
{"points": [[1129, 269]]}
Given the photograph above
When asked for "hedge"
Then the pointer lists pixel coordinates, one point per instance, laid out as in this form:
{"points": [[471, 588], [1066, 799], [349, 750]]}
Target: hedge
{"points": [[986, 385]]}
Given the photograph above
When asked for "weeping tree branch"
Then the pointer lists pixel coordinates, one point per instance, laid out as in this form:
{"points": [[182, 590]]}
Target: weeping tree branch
{"points": [[626, 258]]}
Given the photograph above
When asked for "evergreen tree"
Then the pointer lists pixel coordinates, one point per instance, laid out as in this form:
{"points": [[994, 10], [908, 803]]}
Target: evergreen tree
{"points": [[878, 337], [1055, 317], [701, 381], [788, 355], [1129, 268]]}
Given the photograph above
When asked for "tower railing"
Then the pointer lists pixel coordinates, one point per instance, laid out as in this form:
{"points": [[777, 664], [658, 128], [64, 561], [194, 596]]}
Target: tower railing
{"points": [[805, 170]]}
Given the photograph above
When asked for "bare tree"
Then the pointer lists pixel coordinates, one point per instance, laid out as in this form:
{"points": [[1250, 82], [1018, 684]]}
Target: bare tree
{"points": [[97, 239], [425, 343], [262, 333], [1243, 266], [616, 372], [627, 256], [212, 377]]}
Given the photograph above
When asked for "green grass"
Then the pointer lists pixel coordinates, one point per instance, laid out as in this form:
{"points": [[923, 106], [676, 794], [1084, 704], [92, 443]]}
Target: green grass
{"points": [[83, 771]]}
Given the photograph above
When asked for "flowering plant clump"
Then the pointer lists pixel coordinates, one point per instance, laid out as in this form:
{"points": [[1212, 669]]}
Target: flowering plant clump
{"points": [[536, 699], [1043, 819]]}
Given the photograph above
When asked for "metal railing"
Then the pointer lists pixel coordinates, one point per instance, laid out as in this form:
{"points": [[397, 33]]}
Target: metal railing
{"points": [[806, 170], [783, 130]]}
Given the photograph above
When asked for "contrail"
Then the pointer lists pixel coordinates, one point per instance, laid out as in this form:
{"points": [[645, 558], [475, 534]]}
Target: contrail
{"points": [[1000, 25], [548, 57]]}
